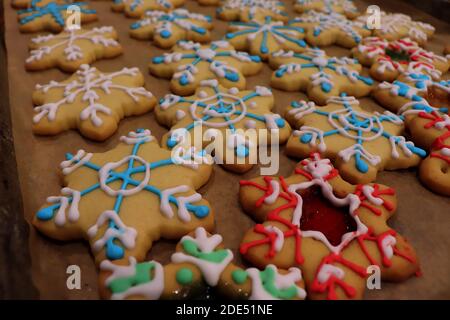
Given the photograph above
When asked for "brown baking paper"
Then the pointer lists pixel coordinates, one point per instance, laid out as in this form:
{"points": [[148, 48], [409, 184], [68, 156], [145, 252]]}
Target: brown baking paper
{"points": [[423, 217]]}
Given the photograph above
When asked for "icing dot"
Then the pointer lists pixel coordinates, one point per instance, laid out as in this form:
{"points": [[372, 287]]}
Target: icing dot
{"points": [[202, 94], [165, 34], [242, 151], [239, 276], [252, 104], [184, 276], [320, 61]]}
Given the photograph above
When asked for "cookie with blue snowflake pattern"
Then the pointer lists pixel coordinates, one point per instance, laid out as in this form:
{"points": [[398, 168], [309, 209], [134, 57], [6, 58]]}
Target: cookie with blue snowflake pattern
{"points": [[360, 143], [189, 63], [264, 38], [167, 28], [137, 8], [52, 16]]}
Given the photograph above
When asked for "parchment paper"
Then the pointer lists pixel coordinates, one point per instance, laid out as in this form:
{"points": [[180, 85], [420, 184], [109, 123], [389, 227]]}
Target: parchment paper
{"points": [[423, 217]]}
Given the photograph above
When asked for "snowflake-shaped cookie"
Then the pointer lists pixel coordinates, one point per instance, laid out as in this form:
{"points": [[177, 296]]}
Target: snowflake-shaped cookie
{"points": [[319, 75], [137, 8], [326, 29], [200, 259], [167, 28], [345, 7], [126, 198], [395, 26], [251, 10], [388, 59], [426, 113], [222, 113], [360, 143], [330, 229], [91, 101], [52, 17], [70, 49], [264, 38], [189, 63]]}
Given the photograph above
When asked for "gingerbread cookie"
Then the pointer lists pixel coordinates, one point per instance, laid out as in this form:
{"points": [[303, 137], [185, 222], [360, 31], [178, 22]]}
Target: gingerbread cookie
{"points": [[167, 28], [223, 114], [427, 118], [189, 63], [24, 4], [91, 101], [319, 75], [52, 17], [262, 39], [326, 29], [388, 59], [332, 230], [252, 10], [200, 260], [123, 200], [70, 49], [345, 7], [395, 26], [360, 143], [137, 8]]}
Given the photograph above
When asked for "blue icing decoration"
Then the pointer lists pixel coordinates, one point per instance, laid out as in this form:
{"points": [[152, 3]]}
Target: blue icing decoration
{"points": [[165, 34], [242, 151], [232, 76], [280, 122], [306, 138], [326, 87]]}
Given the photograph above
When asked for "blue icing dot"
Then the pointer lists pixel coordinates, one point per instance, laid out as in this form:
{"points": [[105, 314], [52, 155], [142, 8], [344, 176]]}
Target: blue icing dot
{"points": [[242, 151], [229, 35], [232, 76], [279, 73], [264, 49], [361, 165], [295, 104], [326, 87], [113, 251], [135, 26], [255, 58], [46, 213], [306, 138], [171, 143], [280, 122], [201, 211], [199, 30], [184, 80], [158, 60], [165, 34]]}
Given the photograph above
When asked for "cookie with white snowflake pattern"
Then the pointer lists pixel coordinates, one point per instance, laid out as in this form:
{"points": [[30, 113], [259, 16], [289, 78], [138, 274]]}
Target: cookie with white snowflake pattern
{"points": [[345, 7], [91, 101], [262, 39], [425, 106], [200, 261], [189, 63], [71, 48], [389, 59], [395, 26], [137, 8], [167, 28], [239, 122], [320, 76], [360, 143], [331, 230], [252, 10], [326, 29], [52, 16]]}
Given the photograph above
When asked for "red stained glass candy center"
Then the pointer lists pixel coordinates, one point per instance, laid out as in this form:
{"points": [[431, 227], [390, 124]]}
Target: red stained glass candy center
{"points": [[319, 214]]}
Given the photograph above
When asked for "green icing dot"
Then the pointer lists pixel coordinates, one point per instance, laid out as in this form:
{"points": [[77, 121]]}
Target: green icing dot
{"points": [[184, 276], [239, 276]]}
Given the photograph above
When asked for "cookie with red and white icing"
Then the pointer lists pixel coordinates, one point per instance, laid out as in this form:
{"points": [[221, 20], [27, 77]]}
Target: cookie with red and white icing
{"points": [[395, 26], [251, 10], [388, 59], [137, 8], [91, 101], [330, 229], [189, 63], [345, 7], [200, 261], [71, 48], [360, 143], [233, 118], [320, 76], [167, 28], [426, 113], [264, 38], [326, 29]]}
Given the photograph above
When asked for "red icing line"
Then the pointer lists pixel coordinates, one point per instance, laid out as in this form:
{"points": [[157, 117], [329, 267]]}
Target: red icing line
{"points": [[376, 193]]}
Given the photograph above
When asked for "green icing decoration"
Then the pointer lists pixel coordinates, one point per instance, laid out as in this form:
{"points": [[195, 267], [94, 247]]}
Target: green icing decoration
{"points": [[268, 280], [142, 275], [192, 249], [239, 276], [184, 276]]}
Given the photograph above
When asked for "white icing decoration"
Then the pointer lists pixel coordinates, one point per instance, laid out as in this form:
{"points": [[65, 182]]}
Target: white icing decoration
{"points": [[134, 137], [73, 214], [78, 160], [328, 270], [183, 213]]}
